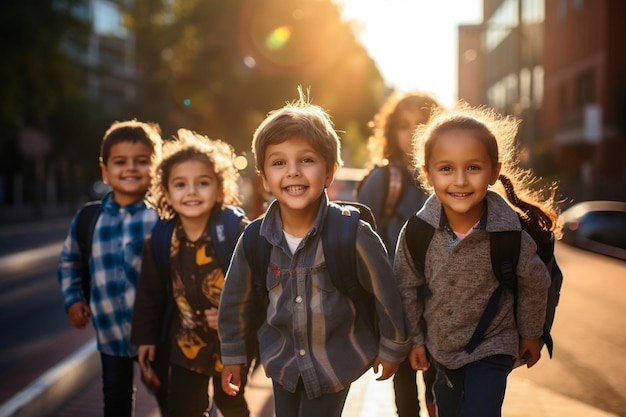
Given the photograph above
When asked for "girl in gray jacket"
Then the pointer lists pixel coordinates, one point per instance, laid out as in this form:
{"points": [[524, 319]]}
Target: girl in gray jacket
{"points": [[460, 154]]}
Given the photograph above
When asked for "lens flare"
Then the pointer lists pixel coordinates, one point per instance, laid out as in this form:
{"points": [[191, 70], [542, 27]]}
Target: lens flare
{"points": [[278, 38]]}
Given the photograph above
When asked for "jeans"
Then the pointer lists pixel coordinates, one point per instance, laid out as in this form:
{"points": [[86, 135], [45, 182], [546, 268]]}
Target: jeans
{"points": [[405, 389], [117, 386], [188, 396], [474, 390], [296, 404]]}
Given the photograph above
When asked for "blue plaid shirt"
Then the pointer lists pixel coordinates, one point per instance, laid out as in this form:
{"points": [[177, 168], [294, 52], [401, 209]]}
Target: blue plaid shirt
{"points": [[115, 263]]}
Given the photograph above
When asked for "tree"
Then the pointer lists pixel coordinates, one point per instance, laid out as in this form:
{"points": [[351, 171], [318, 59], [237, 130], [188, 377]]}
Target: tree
{"points": [[37, 71]]}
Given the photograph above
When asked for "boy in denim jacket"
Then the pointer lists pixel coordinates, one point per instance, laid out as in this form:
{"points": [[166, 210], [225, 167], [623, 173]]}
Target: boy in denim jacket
{"points": [[313, 344]]}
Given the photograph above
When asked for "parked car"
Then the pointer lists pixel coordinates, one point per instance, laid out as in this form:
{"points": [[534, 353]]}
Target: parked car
{"points": [[597, 226], [346, 180]]}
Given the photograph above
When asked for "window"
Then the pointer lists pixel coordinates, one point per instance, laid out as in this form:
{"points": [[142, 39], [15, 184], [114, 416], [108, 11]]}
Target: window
{"points": [[585, 89]]}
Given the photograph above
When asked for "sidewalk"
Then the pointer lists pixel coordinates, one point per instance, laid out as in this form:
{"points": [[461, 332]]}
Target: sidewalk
{"points": [[367, 397]]}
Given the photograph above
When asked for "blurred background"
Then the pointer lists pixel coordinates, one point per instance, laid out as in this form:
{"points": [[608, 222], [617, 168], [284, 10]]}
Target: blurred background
{"points": [[72, 67]]}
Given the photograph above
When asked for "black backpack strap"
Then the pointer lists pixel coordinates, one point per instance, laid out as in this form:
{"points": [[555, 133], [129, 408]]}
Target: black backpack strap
{"points": [[339, 244], [225, 230], [556, 276], [418, 235], [85, 226], [505, 248], [257, 250], [161, 242]]}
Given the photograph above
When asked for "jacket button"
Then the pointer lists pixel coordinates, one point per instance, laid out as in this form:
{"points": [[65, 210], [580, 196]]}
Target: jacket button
{"points": [[299, 299], [302, 352]]}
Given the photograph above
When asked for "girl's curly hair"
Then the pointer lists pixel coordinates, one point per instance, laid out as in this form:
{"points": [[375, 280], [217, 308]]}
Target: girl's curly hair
{"points": [[536, 205], [383, 143], [188, 145]]}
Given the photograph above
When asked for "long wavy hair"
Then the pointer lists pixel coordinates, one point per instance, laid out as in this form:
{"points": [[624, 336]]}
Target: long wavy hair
{"points": [[536, 205], [383, 143]]}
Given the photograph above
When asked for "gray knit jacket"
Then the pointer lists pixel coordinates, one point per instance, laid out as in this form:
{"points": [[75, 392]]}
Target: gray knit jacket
{"points": [[460, 277]]}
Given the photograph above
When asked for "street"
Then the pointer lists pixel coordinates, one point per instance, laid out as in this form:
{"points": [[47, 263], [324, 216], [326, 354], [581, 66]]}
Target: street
{"points": [[589, 330]]}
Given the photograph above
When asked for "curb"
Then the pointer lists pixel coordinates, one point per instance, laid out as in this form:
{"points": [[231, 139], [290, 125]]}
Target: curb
{"points": [[48, 393]]}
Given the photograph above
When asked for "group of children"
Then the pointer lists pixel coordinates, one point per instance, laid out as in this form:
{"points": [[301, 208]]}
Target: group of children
{"points": [[188, 316]]}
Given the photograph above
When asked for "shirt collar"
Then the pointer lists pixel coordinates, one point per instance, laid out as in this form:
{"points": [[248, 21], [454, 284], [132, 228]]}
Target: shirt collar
{"points": [[112, 207]]}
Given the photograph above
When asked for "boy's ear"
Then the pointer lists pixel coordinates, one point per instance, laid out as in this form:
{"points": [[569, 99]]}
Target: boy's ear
{"points": [[103, 170], [330, 175], [266, 186]]}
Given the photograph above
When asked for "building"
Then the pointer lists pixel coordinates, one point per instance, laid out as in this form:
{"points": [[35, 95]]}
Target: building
{"points": [[584, 111], [559, 66]]}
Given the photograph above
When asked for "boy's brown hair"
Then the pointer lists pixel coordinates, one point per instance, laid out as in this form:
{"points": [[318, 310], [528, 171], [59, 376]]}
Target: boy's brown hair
{"points": [[131, 131], [302, 119]]}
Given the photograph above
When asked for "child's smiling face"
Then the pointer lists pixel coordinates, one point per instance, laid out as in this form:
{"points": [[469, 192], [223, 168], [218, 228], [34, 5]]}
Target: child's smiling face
{"points": [[460, 171], [193, 189], [127, 170], [295, 173]]}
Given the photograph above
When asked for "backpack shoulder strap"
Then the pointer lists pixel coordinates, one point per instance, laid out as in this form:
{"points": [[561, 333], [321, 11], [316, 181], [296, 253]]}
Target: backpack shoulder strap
{"points": [[505, 248], [418, 235], [85, 226], [339, 245], [225, 230], [393, 181], [257, 250], [161, 242]]}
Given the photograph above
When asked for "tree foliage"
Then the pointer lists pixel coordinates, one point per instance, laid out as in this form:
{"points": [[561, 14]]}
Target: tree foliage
{"points": [[213, 66]]}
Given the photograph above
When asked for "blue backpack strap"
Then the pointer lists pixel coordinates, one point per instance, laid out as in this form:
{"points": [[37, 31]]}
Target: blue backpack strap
{"points": [[225, 230], [505, 248], [339, 244], [85, 226], [418, 235]]}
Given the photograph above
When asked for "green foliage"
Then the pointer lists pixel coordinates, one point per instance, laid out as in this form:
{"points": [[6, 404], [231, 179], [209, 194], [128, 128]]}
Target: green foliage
{"points": [[224, 62], [213, 66]]}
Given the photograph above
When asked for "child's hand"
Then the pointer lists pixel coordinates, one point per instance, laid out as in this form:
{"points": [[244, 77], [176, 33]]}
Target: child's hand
{"points": [[418, 358], [79, 314], [231, 379], [529, 351], [145, 355], [389, 368], [211, 317]]}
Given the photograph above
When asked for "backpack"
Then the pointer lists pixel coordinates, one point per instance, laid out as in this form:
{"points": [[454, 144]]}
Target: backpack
{"points": [[225, 231], [505, 248], [85, 224], [393, 180], [339, 245], [224, 234]]}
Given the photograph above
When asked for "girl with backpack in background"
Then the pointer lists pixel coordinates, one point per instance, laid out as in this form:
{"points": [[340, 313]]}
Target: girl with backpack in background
{"points": [[193, 187], [460, 154], [390, 154]]}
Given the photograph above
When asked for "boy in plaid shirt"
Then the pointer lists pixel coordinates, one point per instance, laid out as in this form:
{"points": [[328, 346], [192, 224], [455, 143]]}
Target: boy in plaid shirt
{"points": [[127, 152]]}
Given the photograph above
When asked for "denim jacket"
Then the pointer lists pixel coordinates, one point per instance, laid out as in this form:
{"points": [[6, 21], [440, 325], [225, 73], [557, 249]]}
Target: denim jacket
{"points": [[312, 331]]}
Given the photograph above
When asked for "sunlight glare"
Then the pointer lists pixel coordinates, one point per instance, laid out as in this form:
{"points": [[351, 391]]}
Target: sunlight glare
{"points": [[414, 42]]}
